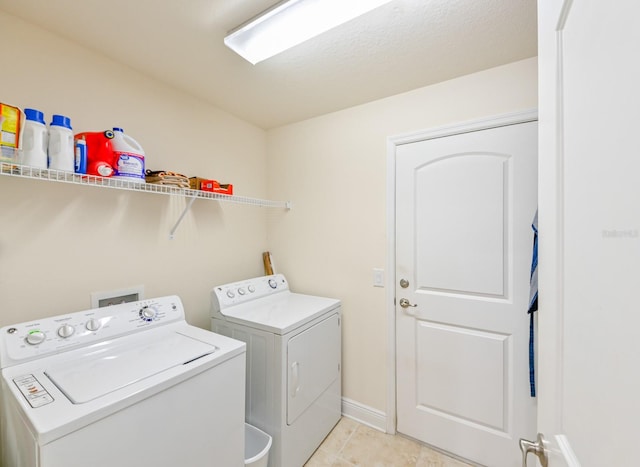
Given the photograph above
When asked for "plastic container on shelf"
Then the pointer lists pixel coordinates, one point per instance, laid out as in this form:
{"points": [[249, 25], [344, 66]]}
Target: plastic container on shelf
{"points": [[128, 157], [99, 152], [11, 132], [81, 156], [34, 140], [61, 147]]}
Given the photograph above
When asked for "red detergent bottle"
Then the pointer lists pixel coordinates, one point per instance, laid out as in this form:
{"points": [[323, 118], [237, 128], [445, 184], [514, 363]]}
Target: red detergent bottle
{"points": [[100, 154]]}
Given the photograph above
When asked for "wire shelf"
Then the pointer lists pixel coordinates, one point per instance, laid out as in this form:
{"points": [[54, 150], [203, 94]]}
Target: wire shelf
{"points": [[12, 169], [23, 171]]}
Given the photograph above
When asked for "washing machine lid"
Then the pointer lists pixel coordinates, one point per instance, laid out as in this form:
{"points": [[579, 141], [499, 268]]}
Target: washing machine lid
{"points": [[280, 313], [115, 365]]}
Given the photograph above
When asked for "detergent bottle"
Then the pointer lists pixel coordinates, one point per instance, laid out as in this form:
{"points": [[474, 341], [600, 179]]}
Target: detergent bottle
{"points": [[99, 157], [61, 149], [81, 156], [128, 157], [34, 140]]}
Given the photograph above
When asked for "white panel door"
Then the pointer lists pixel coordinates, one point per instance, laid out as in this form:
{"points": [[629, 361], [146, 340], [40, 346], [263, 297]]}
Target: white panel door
{"points": [[589, 232], [464, 207]]}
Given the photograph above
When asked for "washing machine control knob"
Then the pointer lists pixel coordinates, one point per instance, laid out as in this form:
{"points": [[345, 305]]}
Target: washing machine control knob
{"points": [[66, 330], [147, 314], [272, 283], [241, 291], [93, 325], [251, 289], [35, 337], [230, 294]]}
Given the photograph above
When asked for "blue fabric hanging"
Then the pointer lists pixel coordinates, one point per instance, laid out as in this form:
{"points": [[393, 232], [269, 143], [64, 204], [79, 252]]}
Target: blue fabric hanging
{"points": [[533, 304]]}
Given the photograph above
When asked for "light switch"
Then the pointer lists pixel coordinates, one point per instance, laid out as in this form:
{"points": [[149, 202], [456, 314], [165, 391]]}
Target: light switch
{"points": [[378, 277]]}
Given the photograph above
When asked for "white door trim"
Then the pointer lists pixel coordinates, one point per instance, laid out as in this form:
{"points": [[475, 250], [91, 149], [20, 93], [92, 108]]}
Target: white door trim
{"points": [[392, 142]]}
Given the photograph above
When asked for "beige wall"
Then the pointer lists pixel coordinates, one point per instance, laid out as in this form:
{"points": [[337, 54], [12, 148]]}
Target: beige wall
{"points": [[59, 243], [333, 168]]}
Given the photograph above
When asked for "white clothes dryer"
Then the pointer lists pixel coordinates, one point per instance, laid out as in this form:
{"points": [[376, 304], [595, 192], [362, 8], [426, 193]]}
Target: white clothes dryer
{"points": [[293, 383], [128, 385]]}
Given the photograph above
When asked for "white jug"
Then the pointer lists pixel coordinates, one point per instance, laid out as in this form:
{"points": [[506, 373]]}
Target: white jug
{"points": [[34, 140], [128, 157], [61, 150]]}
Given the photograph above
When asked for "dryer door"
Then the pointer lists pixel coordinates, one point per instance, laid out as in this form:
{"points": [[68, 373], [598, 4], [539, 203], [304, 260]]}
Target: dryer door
{"points": [[313, 362]]}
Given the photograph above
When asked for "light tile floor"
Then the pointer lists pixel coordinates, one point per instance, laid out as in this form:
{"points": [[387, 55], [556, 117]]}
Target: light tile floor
{"points": [[353, 444]]}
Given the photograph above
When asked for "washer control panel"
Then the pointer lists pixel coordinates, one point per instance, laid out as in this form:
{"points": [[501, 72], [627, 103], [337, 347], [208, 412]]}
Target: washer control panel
{"points": [[235, 293], [32, 390], [24, 341]]}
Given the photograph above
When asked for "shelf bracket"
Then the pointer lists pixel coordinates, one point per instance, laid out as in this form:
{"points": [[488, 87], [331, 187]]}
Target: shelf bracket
{"points": [[184, 213]]}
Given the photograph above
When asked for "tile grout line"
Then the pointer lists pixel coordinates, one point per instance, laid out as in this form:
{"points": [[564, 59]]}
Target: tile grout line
{"points": [[344, 445]]}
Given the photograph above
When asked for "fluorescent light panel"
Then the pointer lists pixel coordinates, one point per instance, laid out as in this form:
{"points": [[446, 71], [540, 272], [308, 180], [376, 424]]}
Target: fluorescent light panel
{"points": [[292, 22]]}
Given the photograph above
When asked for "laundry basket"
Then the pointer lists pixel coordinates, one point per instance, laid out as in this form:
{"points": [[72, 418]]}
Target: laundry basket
{"points": [[256, 447]]}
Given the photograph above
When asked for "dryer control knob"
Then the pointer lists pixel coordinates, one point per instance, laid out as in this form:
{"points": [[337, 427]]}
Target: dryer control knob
{"points": [[251, 289], [66, 330], [93, 325], [147, 314], [35, 337], [230, 294], [272, 283], [241, 291]]}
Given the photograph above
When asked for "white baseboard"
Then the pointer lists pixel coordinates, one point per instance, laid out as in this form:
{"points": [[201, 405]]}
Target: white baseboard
{"points": [[366, 415]]}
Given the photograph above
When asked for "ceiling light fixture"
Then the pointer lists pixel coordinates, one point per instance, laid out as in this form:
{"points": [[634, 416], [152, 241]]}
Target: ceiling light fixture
{"points": [[292, 22]]}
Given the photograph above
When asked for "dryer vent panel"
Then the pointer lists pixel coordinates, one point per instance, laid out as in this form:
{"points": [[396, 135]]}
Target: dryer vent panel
{"points": [[115, 297]]}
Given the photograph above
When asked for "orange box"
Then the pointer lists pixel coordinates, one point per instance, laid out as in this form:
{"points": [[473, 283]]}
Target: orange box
{"points": [[215, 187]]}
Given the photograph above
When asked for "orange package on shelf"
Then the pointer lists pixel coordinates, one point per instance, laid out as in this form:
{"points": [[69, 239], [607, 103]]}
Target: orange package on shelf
{"points": [[215, 187]]}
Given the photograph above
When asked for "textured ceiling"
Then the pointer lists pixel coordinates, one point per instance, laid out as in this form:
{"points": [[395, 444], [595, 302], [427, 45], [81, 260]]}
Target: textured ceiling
{"points": [[398, 47]]}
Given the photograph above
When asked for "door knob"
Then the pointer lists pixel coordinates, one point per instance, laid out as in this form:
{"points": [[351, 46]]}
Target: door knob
{"points": [[537, 448], [404, 283], [404, 303]]}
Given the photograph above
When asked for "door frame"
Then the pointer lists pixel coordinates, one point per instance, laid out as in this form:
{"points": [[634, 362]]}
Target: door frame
{"points": [[393, 142]]}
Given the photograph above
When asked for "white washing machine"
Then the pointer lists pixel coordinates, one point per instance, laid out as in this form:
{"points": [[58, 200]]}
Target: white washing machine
{"points": [[128, 385], [293, 361]]}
